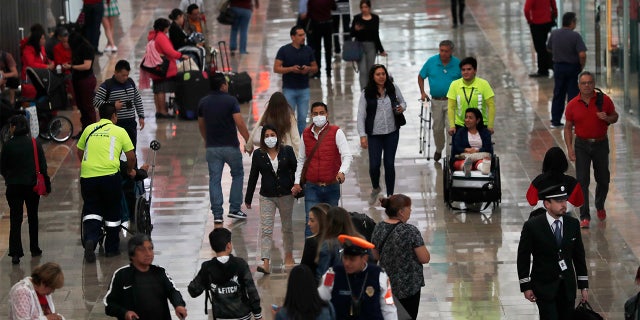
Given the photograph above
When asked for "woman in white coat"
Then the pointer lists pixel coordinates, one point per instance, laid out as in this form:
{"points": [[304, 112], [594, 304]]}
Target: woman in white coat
{"points": [[31, 299]]}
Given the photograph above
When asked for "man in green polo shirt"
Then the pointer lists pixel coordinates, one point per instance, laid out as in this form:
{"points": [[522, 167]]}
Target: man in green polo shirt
{"points": [[470, 92], [99, 149]]}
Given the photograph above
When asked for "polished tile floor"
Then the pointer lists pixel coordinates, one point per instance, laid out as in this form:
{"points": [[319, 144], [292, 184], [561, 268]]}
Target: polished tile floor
{"points": [[472, 273]]}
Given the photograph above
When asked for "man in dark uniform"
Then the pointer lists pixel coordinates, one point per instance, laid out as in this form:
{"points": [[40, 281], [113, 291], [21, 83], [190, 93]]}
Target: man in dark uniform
{"points": [[357, 289], [554, 242]]}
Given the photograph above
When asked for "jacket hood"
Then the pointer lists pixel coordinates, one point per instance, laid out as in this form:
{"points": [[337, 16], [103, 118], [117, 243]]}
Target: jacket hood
{"points": [[227, 270]]}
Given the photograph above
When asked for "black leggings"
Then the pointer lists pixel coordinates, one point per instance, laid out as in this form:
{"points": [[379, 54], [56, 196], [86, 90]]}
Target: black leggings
{"points": [[17, 197], [411, 304]]}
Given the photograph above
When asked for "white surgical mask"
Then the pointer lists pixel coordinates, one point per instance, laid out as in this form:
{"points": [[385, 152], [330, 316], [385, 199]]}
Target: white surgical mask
{"points": [[319, 121], [270, 141]]}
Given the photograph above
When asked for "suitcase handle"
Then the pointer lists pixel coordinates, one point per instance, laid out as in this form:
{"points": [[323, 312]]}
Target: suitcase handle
{"points": [[222, 45]]}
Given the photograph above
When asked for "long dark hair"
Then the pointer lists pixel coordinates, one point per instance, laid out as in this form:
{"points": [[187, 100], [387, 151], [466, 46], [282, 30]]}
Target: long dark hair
{"points": [[480, 126], [278, 114], [302, 299], [21, 125], [263, 146], [371, 90], [34, 39]]}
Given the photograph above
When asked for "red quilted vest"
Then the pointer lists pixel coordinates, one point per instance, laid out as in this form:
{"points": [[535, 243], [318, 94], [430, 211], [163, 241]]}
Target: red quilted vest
{"points": [[325, 164]]}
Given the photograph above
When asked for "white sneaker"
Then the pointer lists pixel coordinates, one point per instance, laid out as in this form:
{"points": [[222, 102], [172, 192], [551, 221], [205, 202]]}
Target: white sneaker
{"points": [[114, 49], [108, 49]]}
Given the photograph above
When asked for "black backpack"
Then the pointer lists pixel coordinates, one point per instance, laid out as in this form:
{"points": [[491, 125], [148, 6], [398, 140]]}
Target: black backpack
{"points": [[363, 223]]}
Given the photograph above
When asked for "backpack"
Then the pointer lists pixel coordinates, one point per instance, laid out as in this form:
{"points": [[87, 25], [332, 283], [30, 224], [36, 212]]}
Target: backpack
{"points": [[363, 223], [109, 83]]}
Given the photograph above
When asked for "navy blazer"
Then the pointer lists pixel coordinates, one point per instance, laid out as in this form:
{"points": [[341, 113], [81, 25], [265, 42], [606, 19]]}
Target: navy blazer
{"points": [[273, 184], [461, 141], [544, 276]]}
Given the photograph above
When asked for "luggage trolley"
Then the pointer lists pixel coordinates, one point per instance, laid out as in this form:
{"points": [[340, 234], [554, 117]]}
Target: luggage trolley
{"points": [[475, 189], [142, 210]]}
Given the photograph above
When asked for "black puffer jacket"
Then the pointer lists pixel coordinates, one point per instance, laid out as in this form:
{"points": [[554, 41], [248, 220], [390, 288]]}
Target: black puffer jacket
{"points": [[234, 293]]}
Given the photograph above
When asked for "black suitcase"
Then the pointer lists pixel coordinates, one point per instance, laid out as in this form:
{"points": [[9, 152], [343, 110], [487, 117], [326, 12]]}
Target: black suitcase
{"points": [[239, 83], [191, 86]]}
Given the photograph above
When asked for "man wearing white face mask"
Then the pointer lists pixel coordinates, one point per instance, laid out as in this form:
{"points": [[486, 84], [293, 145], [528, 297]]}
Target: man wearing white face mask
{"points": [[323, 161]]}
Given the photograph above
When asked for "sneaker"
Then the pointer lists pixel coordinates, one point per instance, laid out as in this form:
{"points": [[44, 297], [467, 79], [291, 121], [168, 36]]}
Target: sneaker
{"points": [[237, 215], [89, 251], [107, 49], [15, 260], [374, 195], [468, 163], [218, 221], [584, 223], [114, 49], [112, 254], [602, 214], [437, 156], [557, 125]]}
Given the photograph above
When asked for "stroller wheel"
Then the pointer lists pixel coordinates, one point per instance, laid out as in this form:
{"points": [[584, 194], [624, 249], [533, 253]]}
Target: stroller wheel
{"points": [[60, 128], [142, 216]]}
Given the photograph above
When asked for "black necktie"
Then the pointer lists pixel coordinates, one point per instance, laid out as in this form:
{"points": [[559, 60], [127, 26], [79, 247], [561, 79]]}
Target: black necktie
{"points": [[558, 231]]}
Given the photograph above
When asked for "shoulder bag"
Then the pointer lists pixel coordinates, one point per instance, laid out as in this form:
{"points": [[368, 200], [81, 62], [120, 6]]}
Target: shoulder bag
{"points": [[153, 62], [399, 116], [226, 16], [305, 167], [40, 188]]}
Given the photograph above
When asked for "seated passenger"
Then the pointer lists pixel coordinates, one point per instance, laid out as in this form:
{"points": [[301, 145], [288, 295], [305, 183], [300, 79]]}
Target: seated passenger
{"points": [[471, 148]]}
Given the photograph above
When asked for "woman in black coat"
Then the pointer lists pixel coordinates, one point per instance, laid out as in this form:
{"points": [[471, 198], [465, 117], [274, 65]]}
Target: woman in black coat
{"points": [[277, 164], [18, 168]]}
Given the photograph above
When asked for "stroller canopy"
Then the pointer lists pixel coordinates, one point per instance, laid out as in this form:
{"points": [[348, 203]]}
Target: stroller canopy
{"points": [[45, 81]]}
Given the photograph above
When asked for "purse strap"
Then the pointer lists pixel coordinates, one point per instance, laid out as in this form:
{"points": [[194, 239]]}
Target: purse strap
{"points": [[305, 167], [386, 237], [35, 156]]}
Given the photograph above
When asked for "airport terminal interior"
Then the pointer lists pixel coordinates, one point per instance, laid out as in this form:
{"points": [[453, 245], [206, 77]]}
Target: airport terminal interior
{"points": [[472, 273]]}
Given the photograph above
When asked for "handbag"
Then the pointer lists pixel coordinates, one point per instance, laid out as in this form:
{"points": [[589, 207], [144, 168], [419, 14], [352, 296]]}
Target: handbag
{"points": [[40, 188], [305, 167], [352, 51], [399, 116], [585, 312], [153, 62], [226, 16]]}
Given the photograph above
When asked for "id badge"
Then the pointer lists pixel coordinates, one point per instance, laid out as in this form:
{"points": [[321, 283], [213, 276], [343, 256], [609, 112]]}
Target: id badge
{"points": [[563, 265]]}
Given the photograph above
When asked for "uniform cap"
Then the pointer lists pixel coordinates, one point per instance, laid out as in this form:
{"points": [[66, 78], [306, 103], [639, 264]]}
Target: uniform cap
{"points": [[354, 246], [558, 192]]}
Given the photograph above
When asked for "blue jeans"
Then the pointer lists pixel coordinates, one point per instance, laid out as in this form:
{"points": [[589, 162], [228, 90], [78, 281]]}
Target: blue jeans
{"points": [[314, 194], [565, 76], [299, 101], [243, 17], [387, 143], [216, 158]]}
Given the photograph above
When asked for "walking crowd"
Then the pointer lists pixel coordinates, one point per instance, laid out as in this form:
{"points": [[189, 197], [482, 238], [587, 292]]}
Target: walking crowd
{"points": [[296, 151]]}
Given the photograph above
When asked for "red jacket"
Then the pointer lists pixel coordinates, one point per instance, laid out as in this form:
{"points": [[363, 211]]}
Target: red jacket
{"points": [[540, 11], [34, 60], [325, 163], [165, 48]]}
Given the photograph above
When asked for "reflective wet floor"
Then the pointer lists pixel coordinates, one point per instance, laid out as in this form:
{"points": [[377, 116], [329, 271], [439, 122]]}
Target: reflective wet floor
{"points": [[472, 273]]}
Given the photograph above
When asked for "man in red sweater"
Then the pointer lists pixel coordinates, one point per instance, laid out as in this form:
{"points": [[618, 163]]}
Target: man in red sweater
{"points": [[541, 16]]}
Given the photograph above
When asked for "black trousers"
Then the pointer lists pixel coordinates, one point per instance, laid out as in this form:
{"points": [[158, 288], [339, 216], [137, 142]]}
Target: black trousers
{"points": [[131, 126], [559, 309], [17, 197], [539, 34], [411, 304], [457, 11], [102, 202], [346, 20], [321, 31]]}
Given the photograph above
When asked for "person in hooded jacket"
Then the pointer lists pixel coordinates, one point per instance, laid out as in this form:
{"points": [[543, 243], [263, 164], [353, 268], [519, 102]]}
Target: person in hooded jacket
{"points": [[232, 288]]}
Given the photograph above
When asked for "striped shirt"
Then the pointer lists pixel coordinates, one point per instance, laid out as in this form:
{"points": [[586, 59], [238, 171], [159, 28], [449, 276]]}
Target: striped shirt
{"points": [[125, 92]]}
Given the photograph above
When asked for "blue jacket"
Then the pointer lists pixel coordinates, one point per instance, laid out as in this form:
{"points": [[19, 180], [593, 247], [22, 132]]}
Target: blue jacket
{"points": [[461, 141]]}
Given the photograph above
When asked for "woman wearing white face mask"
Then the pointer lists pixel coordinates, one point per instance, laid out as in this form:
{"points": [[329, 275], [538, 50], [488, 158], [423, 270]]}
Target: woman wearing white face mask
{"points": [[277, 164]]}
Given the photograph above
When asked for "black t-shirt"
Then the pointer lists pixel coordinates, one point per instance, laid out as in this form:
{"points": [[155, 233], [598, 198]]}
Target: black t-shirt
{"points": [[290, 56], [151, 300], [78, 56], [217, 109]]}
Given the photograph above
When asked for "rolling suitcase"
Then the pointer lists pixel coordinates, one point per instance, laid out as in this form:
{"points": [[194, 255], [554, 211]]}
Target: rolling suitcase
{"points": [[239, 83], [191, 86]]}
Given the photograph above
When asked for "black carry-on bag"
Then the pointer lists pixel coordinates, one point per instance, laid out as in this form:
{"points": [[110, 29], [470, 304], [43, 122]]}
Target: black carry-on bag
{"points": [[239, 83], [191, 86]]}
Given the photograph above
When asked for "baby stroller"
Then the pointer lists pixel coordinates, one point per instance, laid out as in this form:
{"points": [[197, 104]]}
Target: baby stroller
{"points": [[50, 96]]}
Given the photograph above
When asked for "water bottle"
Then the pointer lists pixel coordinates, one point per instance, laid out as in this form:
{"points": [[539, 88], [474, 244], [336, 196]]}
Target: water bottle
{"points": [[59, 69]]}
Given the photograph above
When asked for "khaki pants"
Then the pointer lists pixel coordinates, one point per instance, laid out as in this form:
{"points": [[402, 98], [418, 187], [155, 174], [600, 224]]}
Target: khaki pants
{"points": [[440, 124], [268, 206]]}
